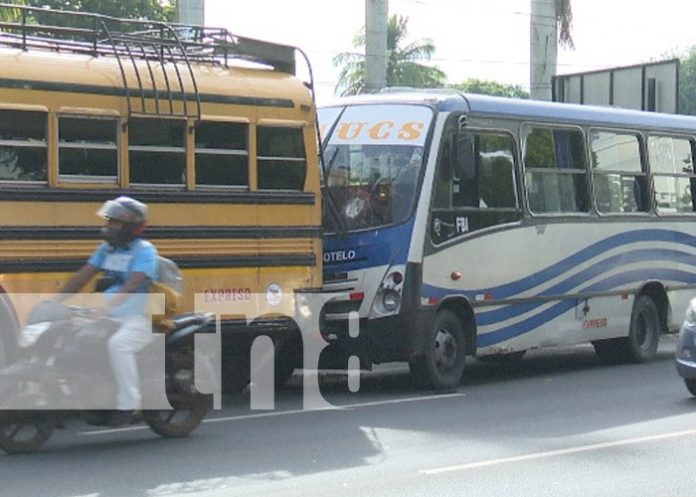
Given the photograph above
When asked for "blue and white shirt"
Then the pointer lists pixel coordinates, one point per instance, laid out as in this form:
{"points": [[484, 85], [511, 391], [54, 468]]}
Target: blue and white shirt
{"points": [[139, 256]]}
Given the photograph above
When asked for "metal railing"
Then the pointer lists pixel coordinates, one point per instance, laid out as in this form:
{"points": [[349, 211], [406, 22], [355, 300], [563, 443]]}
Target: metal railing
{"points": [[169, 48]]}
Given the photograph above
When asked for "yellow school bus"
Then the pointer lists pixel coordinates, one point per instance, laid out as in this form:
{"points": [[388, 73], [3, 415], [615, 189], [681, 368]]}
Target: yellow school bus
{"points": [[215, 132]]}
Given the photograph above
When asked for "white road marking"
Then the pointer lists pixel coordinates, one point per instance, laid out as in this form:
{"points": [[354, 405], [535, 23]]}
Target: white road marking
{"points": [[558, 452], [240, 417]]}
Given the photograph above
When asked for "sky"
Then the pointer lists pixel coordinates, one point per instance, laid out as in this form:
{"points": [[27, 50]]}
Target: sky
{"points": [[482, 39]]}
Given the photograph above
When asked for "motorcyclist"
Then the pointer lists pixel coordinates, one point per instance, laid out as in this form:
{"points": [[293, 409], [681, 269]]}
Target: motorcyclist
{"points": [[132, 264]]}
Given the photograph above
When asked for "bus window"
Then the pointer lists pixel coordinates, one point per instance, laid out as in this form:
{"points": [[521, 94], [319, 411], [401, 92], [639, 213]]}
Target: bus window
{"points": [[619, 181], [556, 171], [479, 191], [282, 164], [373, 184], [23, 146], [88, 149], [157, 154], [672, 167], [222, 157]]}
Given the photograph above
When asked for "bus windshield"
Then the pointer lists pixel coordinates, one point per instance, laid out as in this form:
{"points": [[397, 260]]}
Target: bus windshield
{"points": [[373, 160]]}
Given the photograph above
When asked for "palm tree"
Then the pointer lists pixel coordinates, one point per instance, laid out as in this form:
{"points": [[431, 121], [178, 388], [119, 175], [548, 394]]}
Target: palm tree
{"points": [[545, 38], [564, 20], [402, 66]]}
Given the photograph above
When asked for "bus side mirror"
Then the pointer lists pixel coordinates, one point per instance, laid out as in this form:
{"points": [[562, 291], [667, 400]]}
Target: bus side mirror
{"points": [[465, 164]]}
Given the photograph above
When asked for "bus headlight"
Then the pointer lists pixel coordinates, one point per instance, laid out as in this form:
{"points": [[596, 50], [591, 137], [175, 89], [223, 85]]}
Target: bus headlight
{"points": [[391, 300], [388, 298]]}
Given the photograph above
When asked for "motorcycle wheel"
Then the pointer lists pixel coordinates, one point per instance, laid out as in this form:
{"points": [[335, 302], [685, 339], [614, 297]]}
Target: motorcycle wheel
{"points": [[176, 422], [189, 407], [18, 436]]}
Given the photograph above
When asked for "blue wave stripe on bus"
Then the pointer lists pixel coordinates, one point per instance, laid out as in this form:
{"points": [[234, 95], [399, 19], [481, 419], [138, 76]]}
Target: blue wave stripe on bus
{"points": [[591, 272], [517, 287], [556, 310], [528, 282]]}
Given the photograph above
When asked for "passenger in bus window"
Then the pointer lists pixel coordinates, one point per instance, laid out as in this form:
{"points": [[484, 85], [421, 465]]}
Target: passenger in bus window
{"points": [[130, 264]]}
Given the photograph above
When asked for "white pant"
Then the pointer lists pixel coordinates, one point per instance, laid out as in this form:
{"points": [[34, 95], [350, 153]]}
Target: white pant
{"points": [[134, 334]]}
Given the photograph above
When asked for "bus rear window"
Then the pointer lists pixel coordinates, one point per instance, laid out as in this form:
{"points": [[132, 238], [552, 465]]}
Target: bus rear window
{"points": [[282, 164], [23, 150]]}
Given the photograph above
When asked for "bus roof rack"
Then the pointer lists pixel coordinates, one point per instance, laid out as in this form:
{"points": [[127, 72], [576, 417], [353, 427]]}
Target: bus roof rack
{"points": [[157, 43]]}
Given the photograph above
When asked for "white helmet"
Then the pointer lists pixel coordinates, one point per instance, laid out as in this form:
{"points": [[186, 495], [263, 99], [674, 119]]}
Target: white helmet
{"points": [[125, 209], [130, 212]]}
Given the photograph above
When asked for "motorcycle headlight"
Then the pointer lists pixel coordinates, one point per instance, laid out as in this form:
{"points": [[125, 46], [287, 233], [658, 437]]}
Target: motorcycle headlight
{"points": [[31, 333]]}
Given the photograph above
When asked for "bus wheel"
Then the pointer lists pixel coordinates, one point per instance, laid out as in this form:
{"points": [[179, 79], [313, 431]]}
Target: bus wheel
{"points": [[442, 364], [643, 336]]}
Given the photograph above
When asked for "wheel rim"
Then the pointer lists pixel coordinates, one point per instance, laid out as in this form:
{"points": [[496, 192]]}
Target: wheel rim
{"points": [[445, 350]]}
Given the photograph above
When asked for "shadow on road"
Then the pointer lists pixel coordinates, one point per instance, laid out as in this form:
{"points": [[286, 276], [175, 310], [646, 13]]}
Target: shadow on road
{"points": [[549, 394]]}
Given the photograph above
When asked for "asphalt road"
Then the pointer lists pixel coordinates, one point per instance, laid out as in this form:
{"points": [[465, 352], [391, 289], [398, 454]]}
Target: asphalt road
{"points": [[560, 424]]}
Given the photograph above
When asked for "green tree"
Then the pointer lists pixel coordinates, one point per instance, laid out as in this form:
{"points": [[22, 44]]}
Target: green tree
{"points": [[403, 66], [564, 20], [8, 14], [153, 10], [473, 85], [687, 83]]}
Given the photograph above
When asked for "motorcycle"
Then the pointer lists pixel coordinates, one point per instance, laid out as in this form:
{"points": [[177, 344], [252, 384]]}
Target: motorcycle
{"points": [[64, 371]]}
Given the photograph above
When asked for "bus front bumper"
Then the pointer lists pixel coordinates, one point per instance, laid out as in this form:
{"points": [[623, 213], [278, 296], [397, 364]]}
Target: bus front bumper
{"points": [[393, 338]]}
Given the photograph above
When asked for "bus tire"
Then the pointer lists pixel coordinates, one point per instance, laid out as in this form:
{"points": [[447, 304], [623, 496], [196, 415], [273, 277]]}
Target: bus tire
{"points": [[441, 365], [644, 333], [643, 336]]}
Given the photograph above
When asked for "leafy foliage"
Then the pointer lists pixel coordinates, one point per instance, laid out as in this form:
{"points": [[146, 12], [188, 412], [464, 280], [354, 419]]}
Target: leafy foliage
{"points": [[687, 83], [9, 14], [564, 19], [491, 88], [403, 66], [154, 10]]}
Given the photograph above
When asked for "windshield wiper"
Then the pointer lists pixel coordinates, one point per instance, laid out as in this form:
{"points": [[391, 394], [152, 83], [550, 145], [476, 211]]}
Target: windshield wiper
{"points": [[335, 214]]}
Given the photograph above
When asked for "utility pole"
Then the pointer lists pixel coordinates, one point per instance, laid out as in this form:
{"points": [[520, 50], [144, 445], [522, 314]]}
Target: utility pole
{"points": [[376, 19], [190, 12], [544, 48]]}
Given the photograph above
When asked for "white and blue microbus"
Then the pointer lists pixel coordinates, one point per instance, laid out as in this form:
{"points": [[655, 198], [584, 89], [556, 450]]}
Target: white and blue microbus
{"points": [[465, 225]]}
